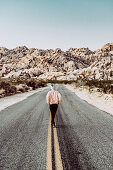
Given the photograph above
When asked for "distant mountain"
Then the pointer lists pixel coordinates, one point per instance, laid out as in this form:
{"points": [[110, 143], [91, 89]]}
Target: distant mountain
{"points": [[75, 63]]}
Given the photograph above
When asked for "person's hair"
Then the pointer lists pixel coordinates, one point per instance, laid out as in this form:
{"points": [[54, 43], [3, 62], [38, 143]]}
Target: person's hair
{"points": [[53, 87]]}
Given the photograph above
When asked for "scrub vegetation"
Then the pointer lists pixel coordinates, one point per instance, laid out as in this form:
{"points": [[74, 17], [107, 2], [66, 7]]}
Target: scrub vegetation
{"points": [[105, 86], [12, 86]]}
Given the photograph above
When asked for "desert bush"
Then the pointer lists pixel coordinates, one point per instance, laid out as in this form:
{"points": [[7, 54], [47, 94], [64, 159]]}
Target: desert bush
{"points": [[11, 85], [32, 84], [105, 85], [12, 90], [35, 83], [8, 87], [18, 80], [61, 81], [42, 84]]}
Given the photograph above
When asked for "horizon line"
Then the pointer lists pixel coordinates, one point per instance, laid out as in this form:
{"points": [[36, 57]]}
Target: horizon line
{"points": [[52, 48]]}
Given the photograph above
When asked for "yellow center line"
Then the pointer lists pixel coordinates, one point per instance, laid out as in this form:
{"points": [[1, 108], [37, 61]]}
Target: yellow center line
{"points": [[58, 161], [49, 153]]}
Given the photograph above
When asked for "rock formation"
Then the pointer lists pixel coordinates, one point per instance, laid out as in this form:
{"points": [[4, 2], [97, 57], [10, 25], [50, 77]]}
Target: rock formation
{"points": [[74, 64]]}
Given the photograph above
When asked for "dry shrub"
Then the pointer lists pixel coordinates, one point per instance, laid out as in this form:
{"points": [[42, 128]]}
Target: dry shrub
{"points": [[8, 87], [105, 85]]}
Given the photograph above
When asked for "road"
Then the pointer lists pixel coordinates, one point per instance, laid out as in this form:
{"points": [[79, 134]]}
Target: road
{"points": [[82, 139]]}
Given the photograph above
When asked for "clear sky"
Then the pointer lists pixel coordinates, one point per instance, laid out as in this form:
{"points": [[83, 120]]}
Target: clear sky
{"points": [[50, 24]]}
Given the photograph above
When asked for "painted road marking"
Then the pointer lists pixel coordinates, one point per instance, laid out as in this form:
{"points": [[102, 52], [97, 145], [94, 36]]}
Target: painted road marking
{"points": [[49, 152], [58, 161]]}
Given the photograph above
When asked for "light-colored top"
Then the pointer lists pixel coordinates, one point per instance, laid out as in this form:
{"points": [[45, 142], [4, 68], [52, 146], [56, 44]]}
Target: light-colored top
{"points": [[53, 97]]}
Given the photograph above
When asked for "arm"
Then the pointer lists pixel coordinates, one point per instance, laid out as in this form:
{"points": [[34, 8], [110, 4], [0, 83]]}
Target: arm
{"points": [[59, 97], [47, 98]]}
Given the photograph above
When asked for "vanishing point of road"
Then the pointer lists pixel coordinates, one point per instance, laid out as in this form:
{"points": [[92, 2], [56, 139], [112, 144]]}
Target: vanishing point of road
{"points": [[82, 139]]}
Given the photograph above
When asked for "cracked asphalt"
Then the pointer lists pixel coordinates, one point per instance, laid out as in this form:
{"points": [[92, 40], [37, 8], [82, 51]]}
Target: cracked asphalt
{"points": [[85, 134]]}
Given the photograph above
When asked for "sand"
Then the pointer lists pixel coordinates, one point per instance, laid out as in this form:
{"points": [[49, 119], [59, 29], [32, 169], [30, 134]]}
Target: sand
{"points": [[100, 100]]}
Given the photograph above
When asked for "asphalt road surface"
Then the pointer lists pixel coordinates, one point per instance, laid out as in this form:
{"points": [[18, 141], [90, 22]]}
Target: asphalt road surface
{"points": [[82, 139]]}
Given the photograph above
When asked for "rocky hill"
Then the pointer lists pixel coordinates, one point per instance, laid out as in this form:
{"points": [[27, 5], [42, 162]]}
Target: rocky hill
{"points": [[75, 63]]}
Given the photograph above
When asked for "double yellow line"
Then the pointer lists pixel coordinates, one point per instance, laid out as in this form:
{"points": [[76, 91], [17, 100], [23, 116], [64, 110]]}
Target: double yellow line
{"points": [[58, 161]]}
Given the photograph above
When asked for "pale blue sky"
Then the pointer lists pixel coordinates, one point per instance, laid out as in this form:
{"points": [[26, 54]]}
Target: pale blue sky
{"points": [[54, 24]]}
